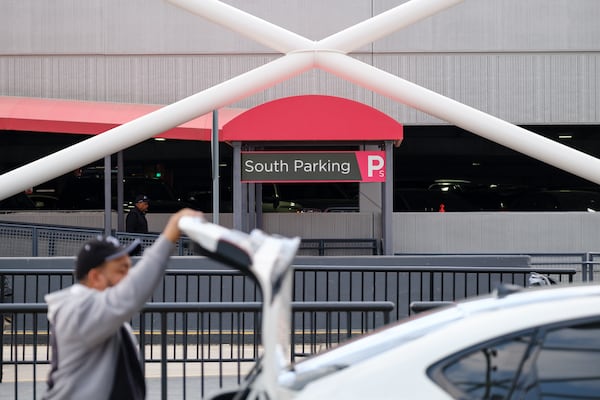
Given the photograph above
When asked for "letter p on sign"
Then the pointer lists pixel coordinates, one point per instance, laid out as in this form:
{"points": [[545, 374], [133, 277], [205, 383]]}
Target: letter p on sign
{"points": [[375, 165]]}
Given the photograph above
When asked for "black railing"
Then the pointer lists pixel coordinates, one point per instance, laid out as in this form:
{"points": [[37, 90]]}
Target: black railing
{"points": [[404, 284], [323, 247], [208, 357], [32, 240], [327, 283]]}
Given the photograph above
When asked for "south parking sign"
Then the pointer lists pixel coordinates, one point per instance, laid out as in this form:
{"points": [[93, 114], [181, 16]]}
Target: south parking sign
{"points": [[316, 166]]}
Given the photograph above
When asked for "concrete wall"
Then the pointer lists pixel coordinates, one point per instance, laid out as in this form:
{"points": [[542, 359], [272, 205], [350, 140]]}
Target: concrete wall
{"points": [[92, 219], [529, 62], [510, 232], [158, 27], [532, 62], [446, 233]]}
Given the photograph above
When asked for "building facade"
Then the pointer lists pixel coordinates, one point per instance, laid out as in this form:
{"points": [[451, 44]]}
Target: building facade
{"points": [[534, 63]]}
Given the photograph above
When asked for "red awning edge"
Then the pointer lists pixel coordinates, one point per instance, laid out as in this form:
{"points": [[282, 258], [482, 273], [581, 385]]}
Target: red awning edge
{"points": [[313, 118], [92, 118], [296, 118]]}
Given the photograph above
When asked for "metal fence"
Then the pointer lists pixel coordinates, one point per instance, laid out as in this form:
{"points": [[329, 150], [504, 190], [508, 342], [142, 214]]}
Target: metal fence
{"points": [[585, 263], [198, 357], [202, 330], [209, 330], [32, 240], [322, 283]]}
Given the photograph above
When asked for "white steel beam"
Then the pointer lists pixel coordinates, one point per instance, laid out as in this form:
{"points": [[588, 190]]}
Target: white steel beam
{"points": [[304, 54], [468, 118], [143, 128], [383, 24], [140, 129], [248, 25]]}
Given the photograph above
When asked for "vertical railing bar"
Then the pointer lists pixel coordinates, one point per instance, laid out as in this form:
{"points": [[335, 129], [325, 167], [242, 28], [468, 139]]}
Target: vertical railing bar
{"points": [[220, 344], [327, 337], [339, 285], [142, 336], [348, 328], [163, 358], [34, 351], [240, 345], [16, 352], [431, 285], [34, 241], [185, 317], [202, 359], [293, 338]]}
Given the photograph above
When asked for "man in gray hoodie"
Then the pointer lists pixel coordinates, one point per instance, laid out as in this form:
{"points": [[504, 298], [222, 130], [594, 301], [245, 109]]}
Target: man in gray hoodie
{"points": [[94, 354]]}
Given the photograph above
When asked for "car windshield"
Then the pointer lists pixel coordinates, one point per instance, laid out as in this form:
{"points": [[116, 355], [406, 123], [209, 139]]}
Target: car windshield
{"points": [[360, 349]]}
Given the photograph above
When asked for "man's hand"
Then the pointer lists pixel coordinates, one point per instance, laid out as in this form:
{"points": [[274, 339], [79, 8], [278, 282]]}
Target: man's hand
{"points": [[172, 231]]}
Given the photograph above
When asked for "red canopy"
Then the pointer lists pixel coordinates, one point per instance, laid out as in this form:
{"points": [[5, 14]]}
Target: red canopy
{"points": [[297, 118], [91, 118], [312, 118]]}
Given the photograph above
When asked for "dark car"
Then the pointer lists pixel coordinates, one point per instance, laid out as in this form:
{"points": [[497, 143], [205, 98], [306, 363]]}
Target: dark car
{"points": [[423, 199], [323, 196], [557, 200], [87, 193], [43, 201], [18, 202], [201, 199], [455, 195]]}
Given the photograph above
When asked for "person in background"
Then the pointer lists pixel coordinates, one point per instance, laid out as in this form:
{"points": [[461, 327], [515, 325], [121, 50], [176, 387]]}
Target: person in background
{"points": [[94, 353], [136, 221]]}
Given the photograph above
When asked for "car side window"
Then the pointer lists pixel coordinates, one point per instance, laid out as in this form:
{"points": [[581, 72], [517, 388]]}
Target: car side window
{"points": [[546, 363], [568, 365], [488, 372]]}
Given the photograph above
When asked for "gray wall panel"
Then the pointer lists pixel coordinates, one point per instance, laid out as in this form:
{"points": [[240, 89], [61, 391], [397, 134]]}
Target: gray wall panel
{"points": [[158, 27], [311, 18], [47, 27], [500, 25], [478, 232], [537, 88], [533, 62], [321, 225], [551, 232]]}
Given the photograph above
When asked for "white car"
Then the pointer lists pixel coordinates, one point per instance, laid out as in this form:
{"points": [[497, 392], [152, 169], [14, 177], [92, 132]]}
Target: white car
{"points": [[529, 344], [536, 343]]}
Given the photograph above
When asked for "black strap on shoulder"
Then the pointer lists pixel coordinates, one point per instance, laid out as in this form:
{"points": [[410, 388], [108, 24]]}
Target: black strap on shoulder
{"points": [[54, 360], [129, 383]]}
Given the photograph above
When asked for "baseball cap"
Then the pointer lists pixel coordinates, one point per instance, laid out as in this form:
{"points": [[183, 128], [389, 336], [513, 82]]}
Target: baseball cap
{"points": [[97, 251], [141, 197]]}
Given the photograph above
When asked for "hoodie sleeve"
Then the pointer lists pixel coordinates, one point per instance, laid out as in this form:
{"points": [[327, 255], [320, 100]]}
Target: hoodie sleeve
{"points": [[100, 313]]}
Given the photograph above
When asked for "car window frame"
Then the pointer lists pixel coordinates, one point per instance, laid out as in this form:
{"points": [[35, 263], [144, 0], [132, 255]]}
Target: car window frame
{"points": [[538, 335]]}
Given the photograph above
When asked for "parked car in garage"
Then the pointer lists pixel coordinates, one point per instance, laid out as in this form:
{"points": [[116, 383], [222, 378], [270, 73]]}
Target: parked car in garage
{"points": [[43, 201], [516, 343], [557, 200], [419, 199], [273, 201], [87, 193], [17, 202]]}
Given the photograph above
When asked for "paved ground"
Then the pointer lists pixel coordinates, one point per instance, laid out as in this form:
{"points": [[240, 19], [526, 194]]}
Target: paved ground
{"points": [[191, 389], [175, 390], [181, 384]]}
